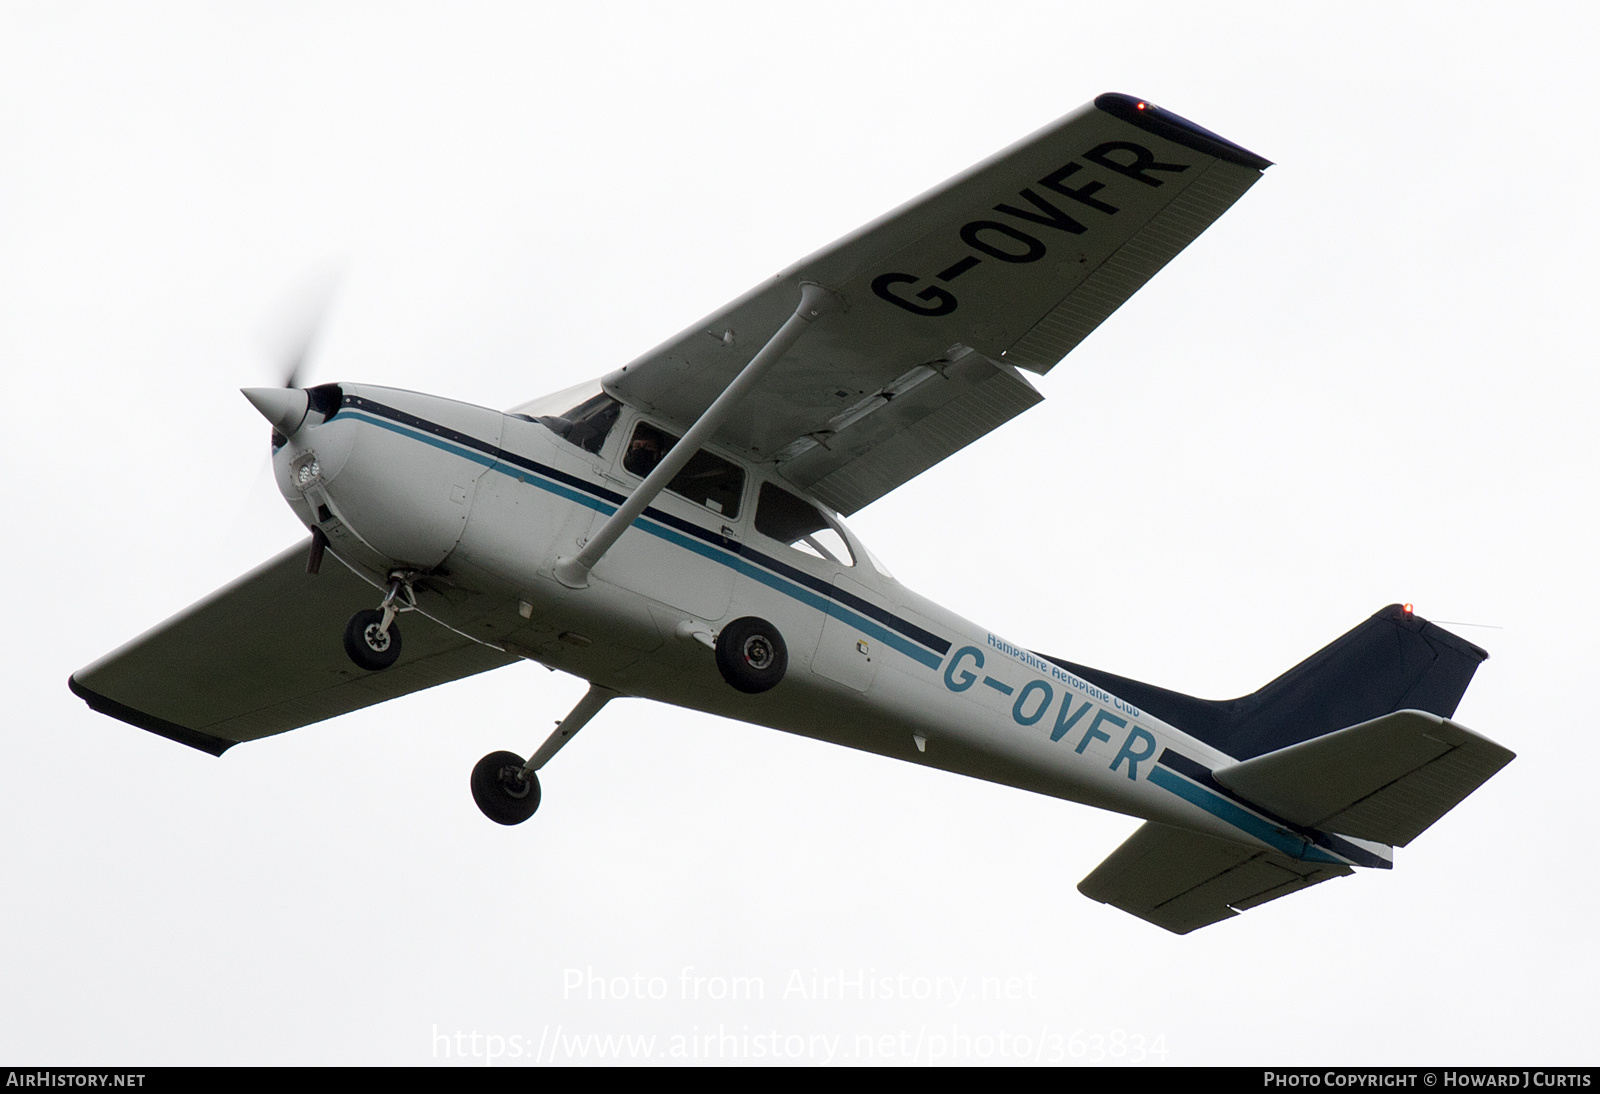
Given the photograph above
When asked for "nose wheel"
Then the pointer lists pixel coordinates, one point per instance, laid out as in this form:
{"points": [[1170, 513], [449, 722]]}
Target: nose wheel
{"points": [[371, 638], [369, 643]]}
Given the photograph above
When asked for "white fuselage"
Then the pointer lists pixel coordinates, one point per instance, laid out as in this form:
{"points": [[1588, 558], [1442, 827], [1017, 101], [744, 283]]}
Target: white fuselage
{"points": [[484, 503]]}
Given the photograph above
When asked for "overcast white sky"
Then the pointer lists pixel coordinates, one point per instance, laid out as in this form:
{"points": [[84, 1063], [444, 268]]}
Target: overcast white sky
{"points": [[1371, 381]]}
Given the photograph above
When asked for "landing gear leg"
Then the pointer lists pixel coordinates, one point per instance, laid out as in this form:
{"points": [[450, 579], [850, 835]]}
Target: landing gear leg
{"points": [[506, 788]]}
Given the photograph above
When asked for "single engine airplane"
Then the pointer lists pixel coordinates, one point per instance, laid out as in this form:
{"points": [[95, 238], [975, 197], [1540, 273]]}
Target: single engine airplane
{"points": [[672, 531]]}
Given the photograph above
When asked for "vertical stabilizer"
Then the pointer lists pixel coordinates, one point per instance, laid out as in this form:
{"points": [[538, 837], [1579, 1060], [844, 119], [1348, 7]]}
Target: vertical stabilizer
{"points": [[1394, 661]]}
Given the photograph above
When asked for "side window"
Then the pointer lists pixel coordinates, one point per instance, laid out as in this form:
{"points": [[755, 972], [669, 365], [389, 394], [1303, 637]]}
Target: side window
{"points": [[800, 525], [705, 480], [585, 425]]}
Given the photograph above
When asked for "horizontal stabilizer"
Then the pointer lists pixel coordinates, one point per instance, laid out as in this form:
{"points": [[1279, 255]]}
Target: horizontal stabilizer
{"points": [[1385, 780], [1182, 880]]}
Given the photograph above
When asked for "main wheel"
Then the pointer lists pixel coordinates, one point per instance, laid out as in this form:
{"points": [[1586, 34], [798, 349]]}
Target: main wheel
{"points": [[505, 795], [369, 647], [751, 655]]}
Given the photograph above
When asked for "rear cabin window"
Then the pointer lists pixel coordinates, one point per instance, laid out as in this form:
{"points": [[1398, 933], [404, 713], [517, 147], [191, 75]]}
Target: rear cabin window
{"points": [[800, 525], [706, 480]]}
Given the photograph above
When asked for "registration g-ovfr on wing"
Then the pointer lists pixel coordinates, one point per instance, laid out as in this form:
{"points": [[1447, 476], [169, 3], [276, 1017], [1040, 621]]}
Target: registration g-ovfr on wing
{"points": [[673, 532]]}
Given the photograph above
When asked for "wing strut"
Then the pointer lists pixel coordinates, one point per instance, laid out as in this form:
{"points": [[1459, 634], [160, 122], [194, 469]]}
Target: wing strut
{"points": [[815, 301]]}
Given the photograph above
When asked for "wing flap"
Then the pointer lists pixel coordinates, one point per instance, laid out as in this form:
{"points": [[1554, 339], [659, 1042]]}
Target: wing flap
{"points": [[265, 655], [1182, 881], [953, 404], [1388, 779]]}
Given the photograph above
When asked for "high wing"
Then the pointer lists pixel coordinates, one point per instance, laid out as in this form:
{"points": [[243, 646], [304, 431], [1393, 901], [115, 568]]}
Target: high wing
{"points": [[264, 655], [1005, 267]]}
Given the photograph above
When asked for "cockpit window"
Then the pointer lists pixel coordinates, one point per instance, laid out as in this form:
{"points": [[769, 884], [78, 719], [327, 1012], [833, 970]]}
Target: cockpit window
{"points": [[325, 399], [800, 525], [585, 425], [705, 480]]}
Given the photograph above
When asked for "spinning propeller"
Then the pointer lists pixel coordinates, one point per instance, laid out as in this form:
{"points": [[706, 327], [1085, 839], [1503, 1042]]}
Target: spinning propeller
{"points": [[292, 341]]}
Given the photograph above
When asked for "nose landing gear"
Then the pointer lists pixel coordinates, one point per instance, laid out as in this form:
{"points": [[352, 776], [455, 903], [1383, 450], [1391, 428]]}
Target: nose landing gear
{"points": [[371, 638]]}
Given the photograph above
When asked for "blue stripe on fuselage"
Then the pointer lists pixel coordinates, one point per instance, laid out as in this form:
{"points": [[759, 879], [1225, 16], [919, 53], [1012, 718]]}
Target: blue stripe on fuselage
{"points": [[1265, 831], [1201, 775], [660, 530]]}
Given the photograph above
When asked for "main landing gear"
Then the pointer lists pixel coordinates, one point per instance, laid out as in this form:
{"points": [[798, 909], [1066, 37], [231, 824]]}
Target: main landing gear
{"points": [[505, 792], [371, 638], [507, 789], [751, 656]]}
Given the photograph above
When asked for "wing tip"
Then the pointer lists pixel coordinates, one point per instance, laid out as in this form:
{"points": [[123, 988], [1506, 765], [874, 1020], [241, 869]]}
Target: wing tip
{"points": [[103, 704], [1164, 123]]}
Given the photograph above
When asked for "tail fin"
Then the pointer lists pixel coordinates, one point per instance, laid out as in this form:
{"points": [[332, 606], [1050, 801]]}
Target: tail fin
{"points": [[1394, 661]]}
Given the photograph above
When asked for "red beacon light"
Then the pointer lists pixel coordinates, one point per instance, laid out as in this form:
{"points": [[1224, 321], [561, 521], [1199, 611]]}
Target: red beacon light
{"points": [[1406, 608]]}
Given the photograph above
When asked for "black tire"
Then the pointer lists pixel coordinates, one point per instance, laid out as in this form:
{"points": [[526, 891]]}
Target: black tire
{"points": [[501, 791], [368, 648], [751, 655]]}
